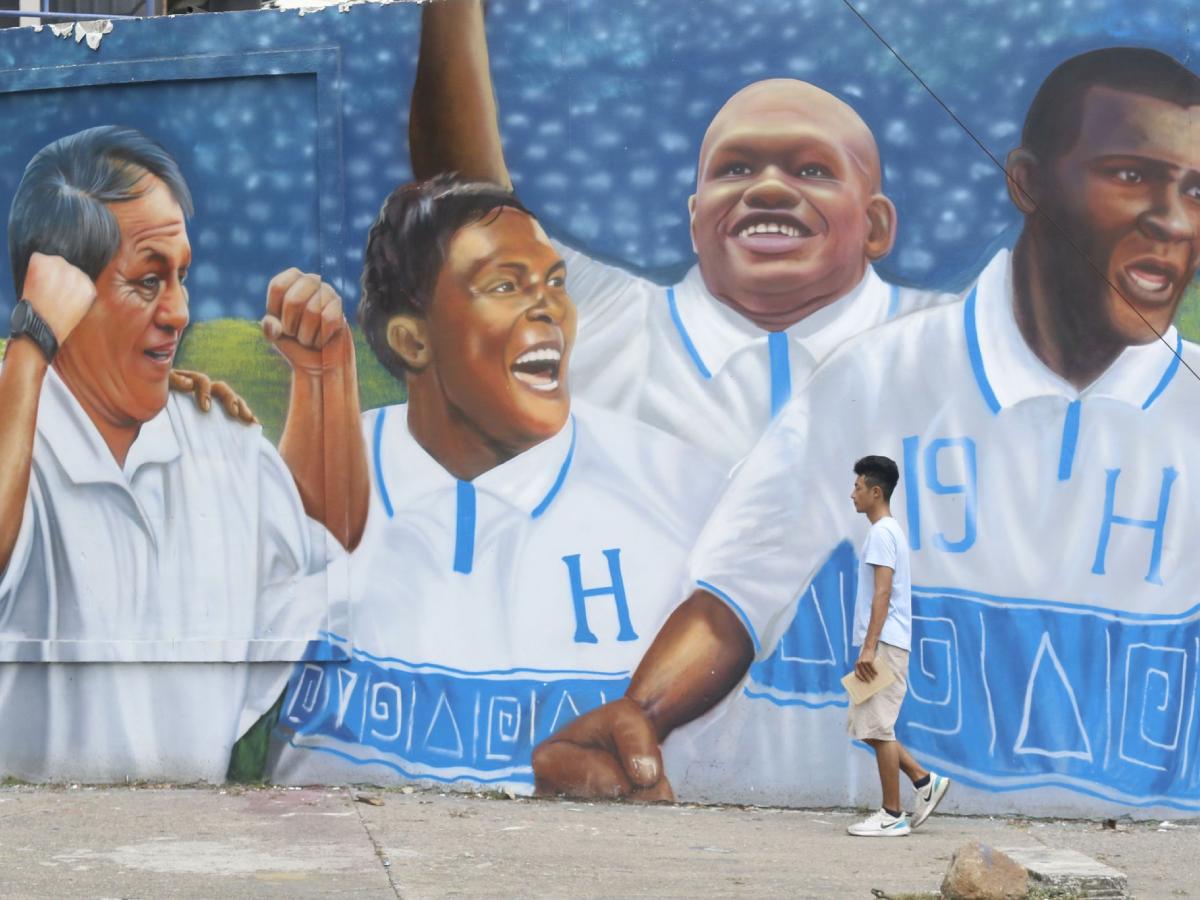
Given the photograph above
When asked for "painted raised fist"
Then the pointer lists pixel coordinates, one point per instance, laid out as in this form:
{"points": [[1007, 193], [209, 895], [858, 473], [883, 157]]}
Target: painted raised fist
{"points": [[59, 292]]}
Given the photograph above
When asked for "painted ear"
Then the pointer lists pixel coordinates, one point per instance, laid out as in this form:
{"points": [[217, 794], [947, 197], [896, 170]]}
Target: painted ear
{"points": [[1021, 169], [881, 216], [407, 335], [692, 220]]}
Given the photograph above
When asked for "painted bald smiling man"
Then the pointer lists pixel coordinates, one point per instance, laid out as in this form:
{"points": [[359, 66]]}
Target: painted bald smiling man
{"points": [[788, 210]]}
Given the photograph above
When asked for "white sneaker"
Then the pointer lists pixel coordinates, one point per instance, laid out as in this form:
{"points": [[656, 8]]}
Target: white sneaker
{"points": [[881, 824], [929, 797]]}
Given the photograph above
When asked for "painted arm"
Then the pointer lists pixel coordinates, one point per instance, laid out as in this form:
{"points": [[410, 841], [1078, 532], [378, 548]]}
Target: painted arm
{"points": [[322, 440], [699, 656], [452, 124], [864, 668], [20, 387], [61, 294]]}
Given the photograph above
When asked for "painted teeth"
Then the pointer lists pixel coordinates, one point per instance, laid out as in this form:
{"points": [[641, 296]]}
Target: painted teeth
{"points": [[1149, 282], [546, 354], [770, 228]]}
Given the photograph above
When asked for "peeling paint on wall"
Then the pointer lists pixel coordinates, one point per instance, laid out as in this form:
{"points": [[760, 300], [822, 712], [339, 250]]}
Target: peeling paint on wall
{"points": [[90, 32]]}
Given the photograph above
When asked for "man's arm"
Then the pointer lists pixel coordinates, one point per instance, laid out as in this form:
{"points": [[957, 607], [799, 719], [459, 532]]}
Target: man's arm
{"points": [[452, 123], [864, 668], [20, 387], [774, 526], [322, 440], [696, 659], [452, 127], [699, 655], [61, 294]]}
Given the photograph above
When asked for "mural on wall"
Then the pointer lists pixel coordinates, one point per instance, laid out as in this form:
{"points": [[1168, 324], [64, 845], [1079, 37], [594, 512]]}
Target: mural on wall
{"points": [[520, 529]]}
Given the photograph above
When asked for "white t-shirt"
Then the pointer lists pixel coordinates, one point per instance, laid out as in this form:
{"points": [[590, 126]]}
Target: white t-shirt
{"points": [[1056, 614], [681, 360], [486, 615], [185, 562], [885, 546]]}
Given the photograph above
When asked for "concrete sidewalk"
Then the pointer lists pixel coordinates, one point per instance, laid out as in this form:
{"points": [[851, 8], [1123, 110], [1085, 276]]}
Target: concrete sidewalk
{"points": [[272, 842]]}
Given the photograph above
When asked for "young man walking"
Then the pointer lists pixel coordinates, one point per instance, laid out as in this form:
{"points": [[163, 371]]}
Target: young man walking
{"points": [[883, 632]]}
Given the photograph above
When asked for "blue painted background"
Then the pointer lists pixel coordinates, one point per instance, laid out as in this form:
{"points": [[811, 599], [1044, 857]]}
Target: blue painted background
{"points": [[603, 104]]}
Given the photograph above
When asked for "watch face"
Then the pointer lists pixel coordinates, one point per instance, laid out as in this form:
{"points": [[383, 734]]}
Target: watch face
{"points": [[20, 317]]}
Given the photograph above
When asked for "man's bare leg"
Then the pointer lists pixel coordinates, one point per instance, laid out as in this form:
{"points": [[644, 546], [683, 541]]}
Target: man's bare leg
{"points": [[909, 766], [887, 758]]}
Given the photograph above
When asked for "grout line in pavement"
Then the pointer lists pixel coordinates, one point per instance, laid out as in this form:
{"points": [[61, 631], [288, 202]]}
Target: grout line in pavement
{"points": [[384, 862]]}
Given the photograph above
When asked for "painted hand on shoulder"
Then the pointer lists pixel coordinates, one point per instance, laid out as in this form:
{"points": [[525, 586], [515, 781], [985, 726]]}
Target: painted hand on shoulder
{"points": [[59, 292], [306, 324], [204, 390], [611, 752]]}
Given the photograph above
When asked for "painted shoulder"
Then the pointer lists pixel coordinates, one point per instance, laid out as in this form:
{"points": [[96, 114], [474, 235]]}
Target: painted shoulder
{"points": [[386, 428], [644, 462], [913, 299], [385, 431], [914, 345], [213, 432], [370, 417], [1183, 384], [1190, 351]]}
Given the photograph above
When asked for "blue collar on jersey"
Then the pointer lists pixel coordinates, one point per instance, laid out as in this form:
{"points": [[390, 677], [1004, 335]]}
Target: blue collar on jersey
{"points": [[465, 500], [985, 387], [777, 346], [1070, 432]]}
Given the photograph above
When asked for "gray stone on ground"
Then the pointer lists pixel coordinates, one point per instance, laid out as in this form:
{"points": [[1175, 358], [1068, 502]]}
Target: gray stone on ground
{"points": [[980, 872], [1070, 873]]}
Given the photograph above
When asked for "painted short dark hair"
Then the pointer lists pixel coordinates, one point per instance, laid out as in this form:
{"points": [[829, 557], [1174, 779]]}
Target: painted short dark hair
{"points": [[1055, 116], [880, 472], [61, 204], [406, 249]]}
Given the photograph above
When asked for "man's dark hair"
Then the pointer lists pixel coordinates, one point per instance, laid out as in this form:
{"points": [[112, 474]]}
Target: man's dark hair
{"points": [[880, 472], [406, 249], [1056, 114], [61, 204]]}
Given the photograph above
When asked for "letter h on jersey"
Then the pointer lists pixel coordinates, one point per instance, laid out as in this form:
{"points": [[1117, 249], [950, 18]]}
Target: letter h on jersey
{"points": [[615, 589], [1157, 525]]}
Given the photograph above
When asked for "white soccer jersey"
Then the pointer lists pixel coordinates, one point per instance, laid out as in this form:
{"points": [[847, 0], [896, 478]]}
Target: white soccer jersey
{"points": [[137, 599], [681, 360], [1056, 625], [486, 615]]}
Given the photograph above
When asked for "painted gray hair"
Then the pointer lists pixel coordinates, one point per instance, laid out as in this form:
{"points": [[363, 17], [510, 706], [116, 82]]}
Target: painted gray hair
{"points": [[61, 204]]}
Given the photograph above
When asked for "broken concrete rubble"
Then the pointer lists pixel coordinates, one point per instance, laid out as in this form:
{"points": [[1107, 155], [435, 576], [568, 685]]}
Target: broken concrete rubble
{"points": [[980, 872]]}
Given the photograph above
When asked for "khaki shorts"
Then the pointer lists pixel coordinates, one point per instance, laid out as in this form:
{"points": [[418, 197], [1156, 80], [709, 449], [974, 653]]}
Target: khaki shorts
{"points": [[875, 718]]}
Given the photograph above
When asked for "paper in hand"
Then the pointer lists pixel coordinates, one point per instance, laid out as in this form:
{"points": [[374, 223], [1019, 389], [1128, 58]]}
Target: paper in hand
{"points": [[863, 690]]}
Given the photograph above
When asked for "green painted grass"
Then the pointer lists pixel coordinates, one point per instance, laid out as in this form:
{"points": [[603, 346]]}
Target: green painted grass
{"points": [[1188, 319], [234, 351]]}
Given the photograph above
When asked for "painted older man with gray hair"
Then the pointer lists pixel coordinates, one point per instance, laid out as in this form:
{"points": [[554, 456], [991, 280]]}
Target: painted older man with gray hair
{"points": [[153, 559]]}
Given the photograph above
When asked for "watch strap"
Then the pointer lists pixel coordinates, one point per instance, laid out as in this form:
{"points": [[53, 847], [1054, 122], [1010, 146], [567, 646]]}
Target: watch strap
{"points": [[27, 323]]}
